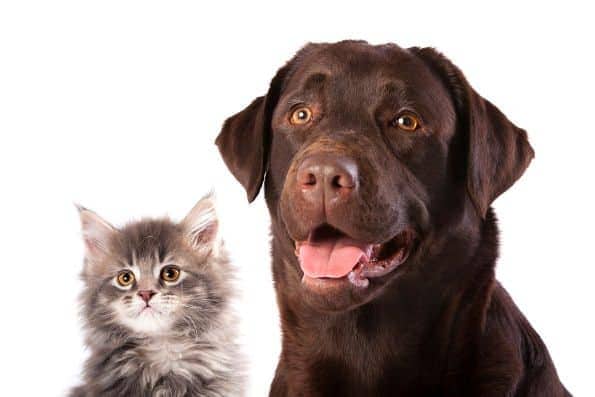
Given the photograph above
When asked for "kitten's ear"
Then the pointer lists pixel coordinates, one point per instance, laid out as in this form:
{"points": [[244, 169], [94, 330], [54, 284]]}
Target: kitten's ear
{"points": [[97, 232], [201, 224]]}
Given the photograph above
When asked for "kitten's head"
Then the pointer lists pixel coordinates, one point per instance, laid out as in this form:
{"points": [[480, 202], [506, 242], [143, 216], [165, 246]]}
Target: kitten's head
{"points": [[153, 276]]}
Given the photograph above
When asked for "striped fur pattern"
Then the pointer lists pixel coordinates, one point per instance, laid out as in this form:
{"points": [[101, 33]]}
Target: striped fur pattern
{"points": [[182, 342]]}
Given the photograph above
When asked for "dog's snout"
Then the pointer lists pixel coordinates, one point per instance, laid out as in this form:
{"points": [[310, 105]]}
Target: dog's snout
{"points": [[324, 177]]}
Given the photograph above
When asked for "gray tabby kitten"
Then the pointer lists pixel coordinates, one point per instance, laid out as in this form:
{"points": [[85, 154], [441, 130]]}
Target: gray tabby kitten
{"points": [[156, 308]]}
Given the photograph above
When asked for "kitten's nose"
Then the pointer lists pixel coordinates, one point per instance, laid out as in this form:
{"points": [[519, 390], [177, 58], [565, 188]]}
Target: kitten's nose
{"points": [[146, 294]]}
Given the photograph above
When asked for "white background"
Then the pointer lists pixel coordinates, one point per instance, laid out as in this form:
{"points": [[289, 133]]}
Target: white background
{"points": [[115, 104]]}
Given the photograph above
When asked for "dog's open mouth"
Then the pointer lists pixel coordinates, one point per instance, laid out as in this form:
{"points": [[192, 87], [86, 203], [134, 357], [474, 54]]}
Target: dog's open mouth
{"points": [[331, 254]]}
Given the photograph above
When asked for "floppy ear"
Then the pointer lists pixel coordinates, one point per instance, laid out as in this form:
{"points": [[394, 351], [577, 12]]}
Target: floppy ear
{"points": [[498, 151], [245, 137]]}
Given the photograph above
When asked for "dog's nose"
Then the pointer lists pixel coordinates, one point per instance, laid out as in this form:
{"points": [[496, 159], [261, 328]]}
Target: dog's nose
{"points": [[335, 177], [146, 295]]}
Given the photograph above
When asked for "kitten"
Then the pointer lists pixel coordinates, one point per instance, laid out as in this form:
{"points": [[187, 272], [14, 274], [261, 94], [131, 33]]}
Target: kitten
{"points": [[156, 308]]}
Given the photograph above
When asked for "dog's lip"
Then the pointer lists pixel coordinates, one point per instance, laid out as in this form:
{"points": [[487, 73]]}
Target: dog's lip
{"points": [[378, 261]]}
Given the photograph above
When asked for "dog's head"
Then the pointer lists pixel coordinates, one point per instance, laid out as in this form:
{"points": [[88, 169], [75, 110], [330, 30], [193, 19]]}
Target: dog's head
{"points": [[366, 149]]}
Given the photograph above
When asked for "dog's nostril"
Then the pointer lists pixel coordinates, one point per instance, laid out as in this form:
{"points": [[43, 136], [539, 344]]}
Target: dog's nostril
{"points": [[343, 181], [307, 179], [336, 182]]}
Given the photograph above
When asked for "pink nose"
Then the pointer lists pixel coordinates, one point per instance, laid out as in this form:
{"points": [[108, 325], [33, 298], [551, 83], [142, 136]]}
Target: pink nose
{"points": [[146, 295]]}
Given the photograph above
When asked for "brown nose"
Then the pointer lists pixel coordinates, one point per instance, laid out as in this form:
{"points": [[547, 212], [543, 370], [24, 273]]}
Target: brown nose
{"points": [[146, 295], [327, 178]]}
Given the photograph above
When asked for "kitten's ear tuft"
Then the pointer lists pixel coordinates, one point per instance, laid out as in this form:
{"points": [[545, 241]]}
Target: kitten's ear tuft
{"points": [[97, 232], [201, 224]]}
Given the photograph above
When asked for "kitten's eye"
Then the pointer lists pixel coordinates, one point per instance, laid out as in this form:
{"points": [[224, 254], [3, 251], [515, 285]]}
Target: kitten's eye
{"points": [[406, 122], [170, 273], [125, 278], [301, 116]]}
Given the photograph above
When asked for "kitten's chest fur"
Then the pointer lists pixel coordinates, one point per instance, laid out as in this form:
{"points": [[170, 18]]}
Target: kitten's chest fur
{"points": [[163, 356], [167, 366], [160, 357]]}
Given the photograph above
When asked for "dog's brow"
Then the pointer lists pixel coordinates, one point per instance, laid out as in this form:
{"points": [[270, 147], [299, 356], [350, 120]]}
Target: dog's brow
{"points": [[313, 81], [295, 101], [395, 88]]}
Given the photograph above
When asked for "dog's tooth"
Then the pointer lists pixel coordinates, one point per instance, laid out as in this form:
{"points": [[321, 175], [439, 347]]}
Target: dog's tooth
{"points": [[378, 270], [297, 248], [357, 280]]}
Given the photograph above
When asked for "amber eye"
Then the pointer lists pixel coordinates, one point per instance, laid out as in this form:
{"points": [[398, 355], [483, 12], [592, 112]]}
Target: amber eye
{"points": [[300, 116], [125, 278], [406, 122], [170, 273]]}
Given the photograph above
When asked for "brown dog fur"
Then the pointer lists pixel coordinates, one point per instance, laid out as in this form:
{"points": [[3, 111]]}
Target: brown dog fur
{"points": [[440, 324]]}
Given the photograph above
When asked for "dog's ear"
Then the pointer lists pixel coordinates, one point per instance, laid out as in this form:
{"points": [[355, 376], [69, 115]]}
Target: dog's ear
{"points": [[245, 138], [498, 151]]}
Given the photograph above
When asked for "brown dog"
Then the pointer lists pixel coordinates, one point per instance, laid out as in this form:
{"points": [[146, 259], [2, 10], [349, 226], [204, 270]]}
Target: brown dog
{"points": [[381, 164]]}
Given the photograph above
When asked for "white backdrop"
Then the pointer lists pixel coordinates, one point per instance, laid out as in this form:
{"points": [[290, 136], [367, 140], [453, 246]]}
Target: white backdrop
{"points": [[115, 104]]}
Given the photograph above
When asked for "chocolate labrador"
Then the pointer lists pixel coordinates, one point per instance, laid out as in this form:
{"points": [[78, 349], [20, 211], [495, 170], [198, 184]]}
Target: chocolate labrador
{"points": [[380, 165]]}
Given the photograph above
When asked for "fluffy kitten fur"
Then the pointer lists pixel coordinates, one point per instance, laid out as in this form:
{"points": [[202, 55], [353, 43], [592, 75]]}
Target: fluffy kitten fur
{"points": [[181, 342]]}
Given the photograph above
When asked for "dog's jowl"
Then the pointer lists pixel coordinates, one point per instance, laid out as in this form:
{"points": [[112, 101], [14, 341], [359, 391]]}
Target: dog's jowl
{"points": [[379, 167]]}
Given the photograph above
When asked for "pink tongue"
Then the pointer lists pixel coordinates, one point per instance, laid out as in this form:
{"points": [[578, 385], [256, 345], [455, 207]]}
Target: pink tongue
{"points": [[333, 258]]}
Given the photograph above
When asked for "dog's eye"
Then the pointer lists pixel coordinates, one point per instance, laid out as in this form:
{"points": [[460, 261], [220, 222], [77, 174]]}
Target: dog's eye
{"points": [[406, 122], [170, 273], [125, 278], [300, 116]]}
